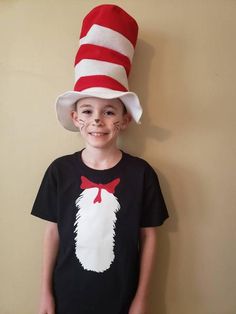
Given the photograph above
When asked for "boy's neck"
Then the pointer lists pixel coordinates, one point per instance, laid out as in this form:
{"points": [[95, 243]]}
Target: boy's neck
{"points": [[101, 159]]}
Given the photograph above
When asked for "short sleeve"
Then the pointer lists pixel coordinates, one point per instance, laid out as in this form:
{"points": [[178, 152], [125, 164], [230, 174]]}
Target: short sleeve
{"points": [[154, 211], [45, 204]]}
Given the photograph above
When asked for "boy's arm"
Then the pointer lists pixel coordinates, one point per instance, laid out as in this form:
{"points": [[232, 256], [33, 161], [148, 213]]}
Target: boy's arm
{"points": [[147, 256], [50, 250]]}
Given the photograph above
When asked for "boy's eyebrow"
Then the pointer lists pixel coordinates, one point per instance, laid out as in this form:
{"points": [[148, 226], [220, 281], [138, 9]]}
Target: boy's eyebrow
{"points": [[110, 106], [84, 105]]}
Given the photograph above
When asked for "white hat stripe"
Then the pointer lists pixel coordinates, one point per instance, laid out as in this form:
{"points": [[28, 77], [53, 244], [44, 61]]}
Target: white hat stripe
{"points": [[108, 38], [88, 67]]}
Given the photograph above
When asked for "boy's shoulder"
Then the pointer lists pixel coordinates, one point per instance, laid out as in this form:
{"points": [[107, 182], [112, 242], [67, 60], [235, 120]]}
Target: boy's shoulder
{"points": [[134, 158], [138, 162], [65, 158], [64, 161]]}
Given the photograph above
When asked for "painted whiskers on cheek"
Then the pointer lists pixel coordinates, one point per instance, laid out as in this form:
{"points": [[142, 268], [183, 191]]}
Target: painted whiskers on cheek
{"points": [[81, 124], [117, 125]]}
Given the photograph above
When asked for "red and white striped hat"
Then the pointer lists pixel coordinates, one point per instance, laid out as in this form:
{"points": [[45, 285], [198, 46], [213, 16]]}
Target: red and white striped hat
{"points": [[103, 62]]}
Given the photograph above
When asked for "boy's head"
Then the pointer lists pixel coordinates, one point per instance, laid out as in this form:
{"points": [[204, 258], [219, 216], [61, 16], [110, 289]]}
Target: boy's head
{"points": [[100, 120], [103, 62]]}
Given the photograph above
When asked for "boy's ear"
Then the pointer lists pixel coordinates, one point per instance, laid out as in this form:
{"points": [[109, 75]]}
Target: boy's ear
{"points": [[126, 120], [75, 119]]}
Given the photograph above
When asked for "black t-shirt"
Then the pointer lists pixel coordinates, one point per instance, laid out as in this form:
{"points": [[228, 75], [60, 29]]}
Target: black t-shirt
{"points": [[99, 215]]}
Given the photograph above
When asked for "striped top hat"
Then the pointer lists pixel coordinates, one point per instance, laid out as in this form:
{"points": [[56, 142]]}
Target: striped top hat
{"points": [[103, 62]]}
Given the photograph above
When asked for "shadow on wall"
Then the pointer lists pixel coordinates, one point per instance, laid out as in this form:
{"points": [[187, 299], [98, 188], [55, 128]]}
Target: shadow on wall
{"points": [[135, 136]]}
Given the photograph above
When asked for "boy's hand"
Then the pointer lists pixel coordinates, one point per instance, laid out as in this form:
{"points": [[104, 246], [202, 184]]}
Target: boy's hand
{"points": [[47, 304], [138, 306]]}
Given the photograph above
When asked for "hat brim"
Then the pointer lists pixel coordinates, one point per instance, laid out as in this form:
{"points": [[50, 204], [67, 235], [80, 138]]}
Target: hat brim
{"points": [[65, 104]]}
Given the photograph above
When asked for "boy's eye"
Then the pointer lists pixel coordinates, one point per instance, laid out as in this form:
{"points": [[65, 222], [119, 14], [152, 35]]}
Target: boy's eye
{"points": [[87, 111], [109, 113]]}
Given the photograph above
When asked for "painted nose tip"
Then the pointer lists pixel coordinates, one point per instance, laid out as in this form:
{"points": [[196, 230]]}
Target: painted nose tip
{"points": [[97, 120]]}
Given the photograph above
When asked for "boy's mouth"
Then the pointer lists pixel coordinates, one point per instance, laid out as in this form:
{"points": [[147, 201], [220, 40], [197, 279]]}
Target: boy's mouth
{"points": [[97, 134]]}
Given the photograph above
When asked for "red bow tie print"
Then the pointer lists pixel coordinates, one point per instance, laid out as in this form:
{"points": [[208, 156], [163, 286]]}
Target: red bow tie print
{"points": [[109, 187]]}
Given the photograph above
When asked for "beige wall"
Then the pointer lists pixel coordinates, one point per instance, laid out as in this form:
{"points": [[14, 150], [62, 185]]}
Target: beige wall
{"points": [[184, 71]]}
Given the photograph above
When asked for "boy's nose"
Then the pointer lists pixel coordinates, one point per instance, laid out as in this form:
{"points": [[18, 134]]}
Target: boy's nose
{"points": [[97, 122]]}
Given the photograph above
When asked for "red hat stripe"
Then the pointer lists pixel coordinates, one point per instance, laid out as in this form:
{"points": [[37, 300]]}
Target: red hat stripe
{"points": [[103, 54], [113, 17], [106, 37], [104, 81]]}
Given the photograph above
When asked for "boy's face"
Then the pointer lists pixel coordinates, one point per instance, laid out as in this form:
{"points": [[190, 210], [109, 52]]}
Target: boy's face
{"points": [[100, 120]]}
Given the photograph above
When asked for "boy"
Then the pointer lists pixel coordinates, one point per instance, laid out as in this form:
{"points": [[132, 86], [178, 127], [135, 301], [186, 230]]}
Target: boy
{"points": [[102, 205]]}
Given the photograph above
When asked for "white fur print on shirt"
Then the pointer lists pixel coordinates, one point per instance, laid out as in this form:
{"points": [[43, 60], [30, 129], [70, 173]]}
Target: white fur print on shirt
{"points": [[95, 229]]}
